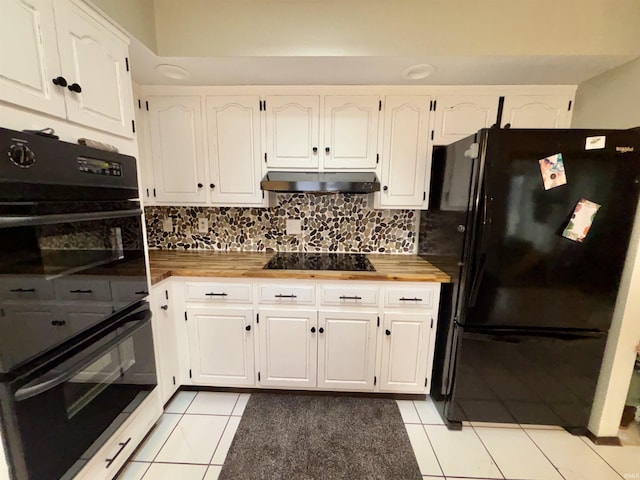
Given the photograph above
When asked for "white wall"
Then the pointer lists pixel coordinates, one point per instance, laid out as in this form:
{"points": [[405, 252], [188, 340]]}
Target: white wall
{"points": [[136, 16], [396, 27], [612, 100]]}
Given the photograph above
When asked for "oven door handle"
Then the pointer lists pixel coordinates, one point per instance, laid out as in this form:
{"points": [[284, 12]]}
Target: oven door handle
{"points": [[30, 390], [35, 220]]}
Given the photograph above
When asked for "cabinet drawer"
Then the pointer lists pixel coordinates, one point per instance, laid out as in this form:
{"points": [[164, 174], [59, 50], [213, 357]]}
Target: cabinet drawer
{"points": [[409, 297], [288, 294], [349, 295], [83, 289], [26, 288], [127, 291], [218, 292]]}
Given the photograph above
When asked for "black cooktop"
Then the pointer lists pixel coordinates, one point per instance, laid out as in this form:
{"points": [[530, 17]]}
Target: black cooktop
{"points": [[352, 262]]}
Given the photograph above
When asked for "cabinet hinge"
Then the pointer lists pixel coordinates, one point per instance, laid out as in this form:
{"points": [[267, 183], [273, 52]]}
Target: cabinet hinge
{"points": [[133, 126], [174, 380], [431, 105], [570, 103], [425, 381], [378, 322], [1, 312], [435, 103], [375, 379], [166, 294], [146, 104], [380, 105], [139, 104], [432, 323], [424, 196], [377, 158], [258, 376], [264, 105], [257, 318], [126, 62], [265, 157], [263, 194], [260, 105], [147, 192], [190, 374], [185, 316], [154, 192]]}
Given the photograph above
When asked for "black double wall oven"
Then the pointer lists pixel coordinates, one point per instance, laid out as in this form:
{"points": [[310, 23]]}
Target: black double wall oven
{"points": [[76, 348]]}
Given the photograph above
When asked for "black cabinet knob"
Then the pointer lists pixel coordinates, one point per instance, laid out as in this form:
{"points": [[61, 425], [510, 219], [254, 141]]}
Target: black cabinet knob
{"points": [[321, 330], [164, 307], [315, 149], [313, 329], [200, 185], [212, 185], [327, 150], [247, 328], [60, 81], [385, 188], [387, 332], [74, 87]]}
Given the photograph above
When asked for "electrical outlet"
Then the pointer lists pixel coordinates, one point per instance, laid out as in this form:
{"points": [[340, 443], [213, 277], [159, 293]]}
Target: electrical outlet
{"points": [[203, 225], [167, 224], [294, 226]]}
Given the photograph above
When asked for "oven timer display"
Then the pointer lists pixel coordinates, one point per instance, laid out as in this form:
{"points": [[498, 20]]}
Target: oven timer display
{"points": [[99, 167]]}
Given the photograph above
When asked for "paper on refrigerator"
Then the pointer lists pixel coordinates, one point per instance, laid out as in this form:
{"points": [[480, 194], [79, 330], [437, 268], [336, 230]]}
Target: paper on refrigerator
{"points": [[581, 220]]}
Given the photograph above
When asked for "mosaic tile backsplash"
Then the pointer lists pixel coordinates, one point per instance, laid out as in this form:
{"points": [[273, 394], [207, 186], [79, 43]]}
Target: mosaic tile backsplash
{"points": [[330, 223]]}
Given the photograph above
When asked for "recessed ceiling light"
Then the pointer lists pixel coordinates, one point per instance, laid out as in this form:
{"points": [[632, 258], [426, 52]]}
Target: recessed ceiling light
{"points": [[418, 72], [173, 71]]}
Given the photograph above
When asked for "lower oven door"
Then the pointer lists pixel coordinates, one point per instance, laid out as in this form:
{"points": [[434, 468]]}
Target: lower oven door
{"points": [[65, 414]]}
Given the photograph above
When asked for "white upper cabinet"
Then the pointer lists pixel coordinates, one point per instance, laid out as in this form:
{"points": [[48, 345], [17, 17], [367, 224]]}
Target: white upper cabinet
{"points": [[458, 116], [94, 63], [350, 131], [292, 131], [177, 149], [60, 59], [235, 153], [29, 56], [405, 156], [537, 111]]}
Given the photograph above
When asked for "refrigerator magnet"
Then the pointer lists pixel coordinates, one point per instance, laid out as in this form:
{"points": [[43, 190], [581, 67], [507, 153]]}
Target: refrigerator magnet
{"points": [[552, 170], [581, 220], [595, 143]]}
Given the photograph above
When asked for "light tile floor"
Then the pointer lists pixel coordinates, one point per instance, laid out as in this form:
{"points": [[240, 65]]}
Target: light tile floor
{"points": [[193, 436]]}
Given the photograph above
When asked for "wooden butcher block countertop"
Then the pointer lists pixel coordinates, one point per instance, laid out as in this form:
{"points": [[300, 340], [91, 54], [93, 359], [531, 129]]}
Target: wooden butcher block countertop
{"points": [[166, 263]]}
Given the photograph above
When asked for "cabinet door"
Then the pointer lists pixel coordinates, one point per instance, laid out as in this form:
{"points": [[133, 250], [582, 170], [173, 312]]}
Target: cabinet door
{"points": [[405, 344], [537, 111], [177, 149], [29, 56], [292, 131], [346, 350], [164, 330], [350, 131], [288, 348], [27, 329], [235, 163], [221, 346], [405, 153], [458, 116], [95, 59]]}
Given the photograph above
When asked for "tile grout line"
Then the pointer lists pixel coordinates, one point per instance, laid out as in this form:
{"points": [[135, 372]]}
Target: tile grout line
{"points": [[487, 450], [432, 449], [218, 444], [588, 442], [542, 451]]}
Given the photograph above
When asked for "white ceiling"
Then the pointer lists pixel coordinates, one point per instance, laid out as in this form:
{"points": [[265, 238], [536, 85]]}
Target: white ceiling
{"points": [[450, 70]]}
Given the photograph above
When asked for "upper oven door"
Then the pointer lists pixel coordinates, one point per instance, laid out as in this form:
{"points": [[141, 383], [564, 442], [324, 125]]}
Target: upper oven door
{"points": [[65, 267]]}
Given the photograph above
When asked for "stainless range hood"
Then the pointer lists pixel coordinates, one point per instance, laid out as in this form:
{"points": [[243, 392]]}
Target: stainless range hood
{"points": [[321, 182]]}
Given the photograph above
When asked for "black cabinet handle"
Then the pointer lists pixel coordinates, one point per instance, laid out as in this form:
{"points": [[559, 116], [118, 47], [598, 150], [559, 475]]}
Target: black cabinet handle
{"points": [[80, 291], [74, 87], [385, 188], [315, 149], [122, 447], [327, 150], [200, 185], [212, 294], [355, 297], [60, 81], [247, 328], [58, 323], [23, 290], [321, 330], [141, 292], [164, 307], [313, 329], [279, 295], [387, 332], [212, 185], [414, 299]]}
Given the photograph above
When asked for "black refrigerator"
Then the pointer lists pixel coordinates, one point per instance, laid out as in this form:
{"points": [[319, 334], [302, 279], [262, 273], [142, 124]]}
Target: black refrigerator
{"points": [[537, 224]]}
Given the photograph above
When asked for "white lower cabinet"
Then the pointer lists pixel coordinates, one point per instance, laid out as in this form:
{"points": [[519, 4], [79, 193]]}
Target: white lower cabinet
{"points": [[221, 346], [405, 349], [166, 347], [347, 350], [288, 348]]}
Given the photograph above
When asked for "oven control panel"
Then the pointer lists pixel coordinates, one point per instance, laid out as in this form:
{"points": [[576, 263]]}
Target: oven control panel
{"points": [[99, 167]]}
